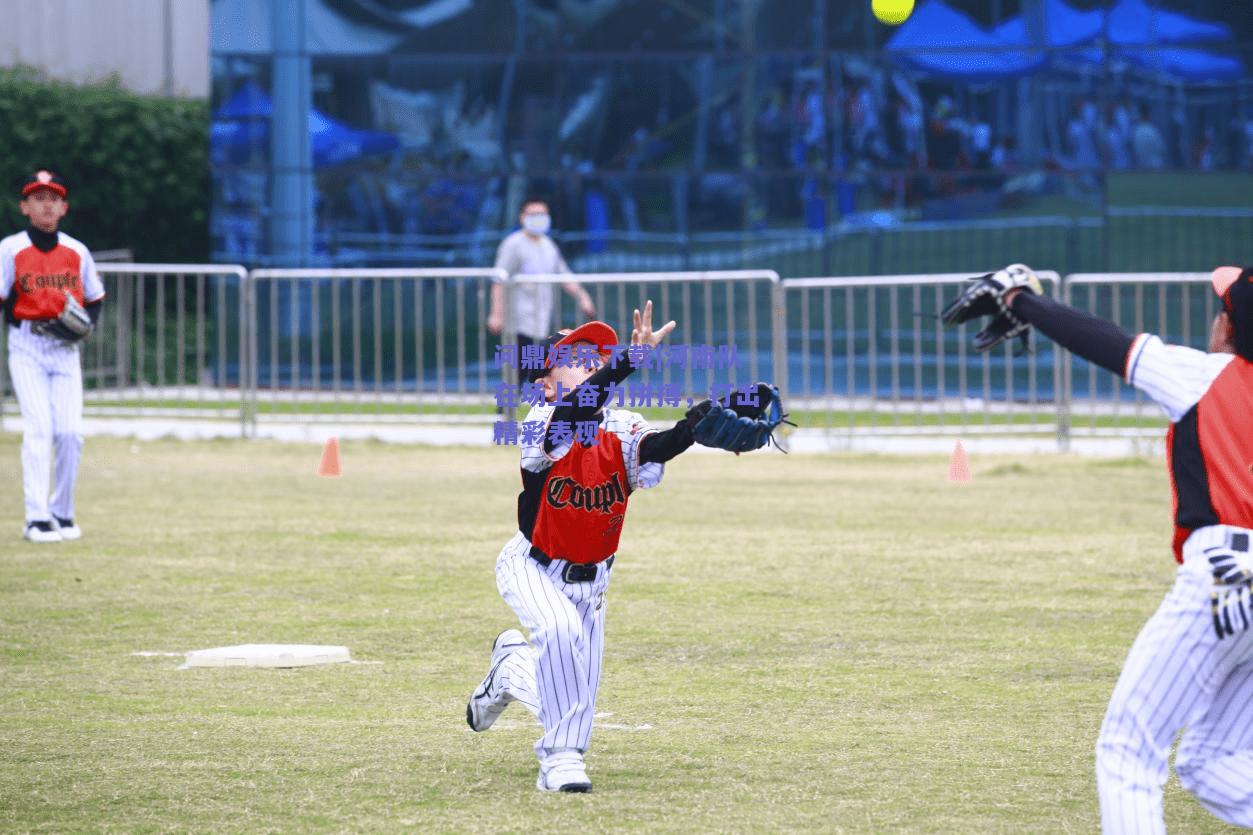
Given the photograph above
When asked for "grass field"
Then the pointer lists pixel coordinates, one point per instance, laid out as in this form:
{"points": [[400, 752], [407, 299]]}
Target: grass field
{"points": [[824, 643]]}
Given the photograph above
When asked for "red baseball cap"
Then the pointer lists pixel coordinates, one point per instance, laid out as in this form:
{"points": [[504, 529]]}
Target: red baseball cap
{"points": [[43, 178], [1234, 285], [603, 336]]}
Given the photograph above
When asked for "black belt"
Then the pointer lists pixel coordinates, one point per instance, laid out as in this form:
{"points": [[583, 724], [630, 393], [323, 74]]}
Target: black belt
{"points": [[574, 572]]}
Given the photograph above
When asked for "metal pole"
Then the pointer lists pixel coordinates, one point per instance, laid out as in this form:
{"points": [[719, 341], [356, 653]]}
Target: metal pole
{"points": [[291, 224], [1062, 380], [509, 336], [167, 84], [778, 301]]}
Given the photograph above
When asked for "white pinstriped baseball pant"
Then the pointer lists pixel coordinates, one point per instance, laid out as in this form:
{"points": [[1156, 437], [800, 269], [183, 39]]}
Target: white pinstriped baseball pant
{"points": [[1180, 676], [557, 678], [48, 380]]}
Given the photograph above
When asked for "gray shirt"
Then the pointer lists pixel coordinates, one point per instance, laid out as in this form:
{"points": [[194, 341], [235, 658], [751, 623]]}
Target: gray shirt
{"points": [[530, 305]]}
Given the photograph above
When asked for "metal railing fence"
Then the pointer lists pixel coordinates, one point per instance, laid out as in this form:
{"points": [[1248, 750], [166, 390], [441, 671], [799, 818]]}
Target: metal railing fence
{"points": [[1179, 307], [729, 311], [868, 354], [170, 342], [380, 345], [854, 355]]}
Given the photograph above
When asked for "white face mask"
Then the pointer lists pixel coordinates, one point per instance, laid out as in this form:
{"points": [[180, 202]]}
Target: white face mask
{"points": [[536, 224]]}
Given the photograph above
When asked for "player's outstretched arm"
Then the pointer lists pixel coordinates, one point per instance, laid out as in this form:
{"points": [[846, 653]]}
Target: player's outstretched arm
{"points": [[1097, 340], [1011, 301]]}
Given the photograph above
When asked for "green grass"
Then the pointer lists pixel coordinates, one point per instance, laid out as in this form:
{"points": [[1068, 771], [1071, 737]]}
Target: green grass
{"points": [[819, 643]]}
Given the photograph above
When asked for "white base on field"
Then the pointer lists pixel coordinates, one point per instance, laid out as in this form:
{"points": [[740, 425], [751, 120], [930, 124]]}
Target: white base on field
{"points": [[267, 655]]}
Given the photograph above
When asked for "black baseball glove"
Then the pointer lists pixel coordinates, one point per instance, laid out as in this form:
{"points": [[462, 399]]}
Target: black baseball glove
{"points": [[741, 422], [71, 326], [985, 296]]}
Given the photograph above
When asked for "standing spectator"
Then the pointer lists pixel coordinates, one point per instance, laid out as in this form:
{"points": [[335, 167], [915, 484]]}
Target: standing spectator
{"points": [[1081, 133], [1247, 162], [981, 145], [529, 251], [811, 117], [1147, 143], [1202, 158], [1002, 156], [1118, 137], [772, 132], [863, 121], [45, 275], [943, 138]]}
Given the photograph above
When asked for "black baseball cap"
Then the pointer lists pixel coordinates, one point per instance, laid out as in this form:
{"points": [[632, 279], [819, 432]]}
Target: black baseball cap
{"points": [[603, 336], [43, 178], [1234, 285]]}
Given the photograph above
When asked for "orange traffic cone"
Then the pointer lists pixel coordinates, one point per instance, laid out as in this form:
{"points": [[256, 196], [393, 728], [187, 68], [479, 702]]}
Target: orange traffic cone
{"points": [[958, 465], [330, 459]]}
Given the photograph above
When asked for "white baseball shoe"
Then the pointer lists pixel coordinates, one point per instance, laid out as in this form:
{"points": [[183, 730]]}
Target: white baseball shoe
{"points": [[42, 532], [489, 700], [69, 531], [563, 771]]}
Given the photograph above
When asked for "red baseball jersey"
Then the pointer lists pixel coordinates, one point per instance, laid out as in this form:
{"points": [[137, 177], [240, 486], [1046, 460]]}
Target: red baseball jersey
{"points": [[41, 279], [574, 497], [1209, 447]]}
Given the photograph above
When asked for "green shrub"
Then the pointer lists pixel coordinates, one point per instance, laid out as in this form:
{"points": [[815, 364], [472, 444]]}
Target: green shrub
{"points": [[137, 166]]}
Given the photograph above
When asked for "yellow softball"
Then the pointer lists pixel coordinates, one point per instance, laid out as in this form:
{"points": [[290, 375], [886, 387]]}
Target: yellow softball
{"points": [[892, 12]]}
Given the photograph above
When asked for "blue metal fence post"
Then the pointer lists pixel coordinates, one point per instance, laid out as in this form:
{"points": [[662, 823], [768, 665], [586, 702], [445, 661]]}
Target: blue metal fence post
{"points": [[291, 222]]}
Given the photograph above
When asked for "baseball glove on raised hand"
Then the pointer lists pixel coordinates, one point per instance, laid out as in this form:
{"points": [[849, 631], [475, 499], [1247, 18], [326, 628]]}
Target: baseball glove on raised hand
{"points": [[71, 326], [740, 422], [985, 296]]}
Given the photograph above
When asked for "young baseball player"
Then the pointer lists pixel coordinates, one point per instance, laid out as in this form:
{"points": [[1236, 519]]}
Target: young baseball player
{"points": [[52, 297], [554, 572], [1191, 668]]}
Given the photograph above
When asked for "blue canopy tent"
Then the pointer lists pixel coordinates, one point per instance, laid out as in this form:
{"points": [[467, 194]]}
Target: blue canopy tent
{"points": [[241, 126], [1187, 64], [941, 42], [1130, 22], [1139, 34], [1063, 26], [1135, 22]]}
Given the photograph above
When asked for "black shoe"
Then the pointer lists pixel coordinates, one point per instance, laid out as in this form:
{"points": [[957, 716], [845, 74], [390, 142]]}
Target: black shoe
{"points": [[42, 532], [67, 528]]}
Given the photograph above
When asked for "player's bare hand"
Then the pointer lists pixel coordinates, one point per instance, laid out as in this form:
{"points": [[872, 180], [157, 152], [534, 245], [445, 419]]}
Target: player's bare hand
{"points": [[587, 307], [642, 332], [495, 323]]}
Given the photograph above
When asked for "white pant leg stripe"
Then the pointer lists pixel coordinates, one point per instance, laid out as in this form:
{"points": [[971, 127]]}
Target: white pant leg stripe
{"points": [[1215, 759], [555, 697], [539, 604], [515, 580], [592, 619], [1179, 634], [67, 437], [517, 672], [517, 677], [1130, 782], [31, 385]]}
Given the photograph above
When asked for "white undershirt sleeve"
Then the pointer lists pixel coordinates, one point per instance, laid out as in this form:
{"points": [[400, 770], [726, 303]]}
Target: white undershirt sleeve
{"points": [[1175, 377]]}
